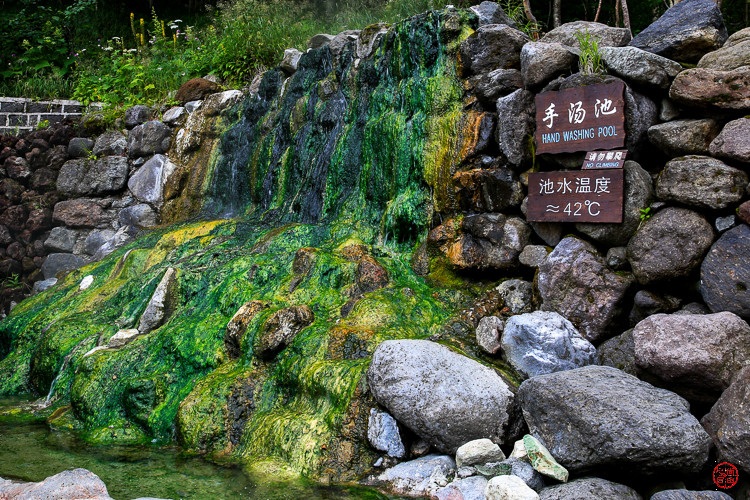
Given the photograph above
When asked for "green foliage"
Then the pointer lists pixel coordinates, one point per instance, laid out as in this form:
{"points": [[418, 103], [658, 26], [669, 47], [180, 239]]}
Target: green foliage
{"points": [[645, 213], [514, 10], [590, 61], [12, 281], [118, 74]]}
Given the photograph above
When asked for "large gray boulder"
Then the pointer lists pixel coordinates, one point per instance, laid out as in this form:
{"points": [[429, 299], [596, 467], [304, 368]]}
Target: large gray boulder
{"points": [[83, 176], [76, 484], [639, 67], [589, 488], [544, 342], [541, 62], [730, 56], [725, 273], [575, 282], [150, 138], [669, 245], [147, 184], [728, 422], [733, 142], [685, 32], [606, 36], [695, 355], [418, 478], [57, 262], [492, 13], [639, 192], [516, 122], [597, 417], [490, 47], [408, 377], [713, 88], [702, 182], [684, 137], [61, 239]]}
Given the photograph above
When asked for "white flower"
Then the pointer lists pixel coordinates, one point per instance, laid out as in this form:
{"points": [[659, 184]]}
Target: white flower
{"points": [[132, 50]]}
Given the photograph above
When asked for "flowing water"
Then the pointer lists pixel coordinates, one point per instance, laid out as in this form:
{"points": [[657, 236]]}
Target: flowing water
{"points": [[30, 451]]}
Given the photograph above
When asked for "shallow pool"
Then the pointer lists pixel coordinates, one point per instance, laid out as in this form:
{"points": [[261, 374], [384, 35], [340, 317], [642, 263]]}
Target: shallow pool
{"points": [[32, 452]]}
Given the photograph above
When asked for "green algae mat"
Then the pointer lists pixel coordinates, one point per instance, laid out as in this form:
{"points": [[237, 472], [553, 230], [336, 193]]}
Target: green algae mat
{"points": [[330, 179]]}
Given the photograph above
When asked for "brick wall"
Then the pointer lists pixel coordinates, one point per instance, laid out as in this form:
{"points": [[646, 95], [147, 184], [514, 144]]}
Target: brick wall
{"points": [[19, 115]]}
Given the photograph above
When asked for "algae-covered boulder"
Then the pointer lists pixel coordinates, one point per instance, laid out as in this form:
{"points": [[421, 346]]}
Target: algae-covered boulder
{"points": [[280, 329], [407, 377]]}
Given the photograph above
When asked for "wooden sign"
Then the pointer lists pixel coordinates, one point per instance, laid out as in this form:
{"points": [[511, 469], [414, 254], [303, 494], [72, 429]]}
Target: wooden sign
{"points": [[578, 196], [605, 159], [581, 119]]}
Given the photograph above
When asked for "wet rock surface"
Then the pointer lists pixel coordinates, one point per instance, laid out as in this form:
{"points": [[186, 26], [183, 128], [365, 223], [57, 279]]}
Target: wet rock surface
{"points": [[420, 477]]}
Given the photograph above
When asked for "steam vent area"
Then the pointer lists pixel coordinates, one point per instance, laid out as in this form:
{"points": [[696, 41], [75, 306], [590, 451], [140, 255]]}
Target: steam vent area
{"points": [[435, 259]]}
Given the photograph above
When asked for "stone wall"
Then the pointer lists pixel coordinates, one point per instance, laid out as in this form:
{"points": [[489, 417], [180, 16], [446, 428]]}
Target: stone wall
{"points": [[24, 115]]}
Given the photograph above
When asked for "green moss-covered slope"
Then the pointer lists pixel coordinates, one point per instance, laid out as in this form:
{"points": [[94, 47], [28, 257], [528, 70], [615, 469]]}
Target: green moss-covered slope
{"points": [[345, 160]]}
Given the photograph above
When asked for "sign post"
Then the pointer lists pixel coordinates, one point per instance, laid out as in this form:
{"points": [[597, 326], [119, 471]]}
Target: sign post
{"points": [[577, 196], [581, 119]]}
